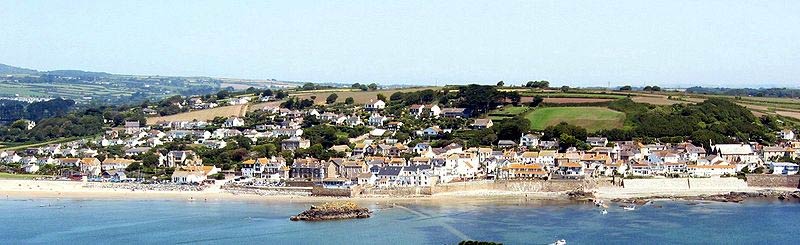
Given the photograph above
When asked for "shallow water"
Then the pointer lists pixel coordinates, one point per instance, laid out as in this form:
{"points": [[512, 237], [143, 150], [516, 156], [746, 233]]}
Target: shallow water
{"points": [[72, 221]]}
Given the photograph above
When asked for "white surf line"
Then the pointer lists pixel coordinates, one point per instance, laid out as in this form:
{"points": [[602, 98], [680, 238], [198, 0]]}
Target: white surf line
{"points": [[446, 226]]}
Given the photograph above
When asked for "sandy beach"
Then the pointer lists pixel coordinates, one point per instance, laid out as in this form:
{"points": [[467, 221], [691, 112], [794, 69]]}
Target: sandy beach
{"points": [[81, 190]]}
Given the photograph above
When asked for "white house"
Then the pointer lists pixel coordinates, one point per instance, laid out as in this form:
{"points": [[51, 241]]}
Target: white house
{"points": [[375, 105], [783, 168], [529, 140], [711, 170], [786, 134], [233, 122]]}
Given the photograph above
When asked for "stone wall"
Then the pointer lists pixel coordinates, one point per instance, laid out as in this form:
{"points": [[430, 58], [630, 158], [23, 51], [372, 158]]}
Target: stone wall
{"points": [[335, 192], [266, 191], [517, 186], [684, 184], [770, 180], [397, 191]]}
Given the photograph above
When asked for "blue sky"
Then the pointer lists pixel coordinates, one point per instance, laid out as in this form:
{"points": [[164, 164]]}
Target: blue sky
{"points": [[579, 43]]}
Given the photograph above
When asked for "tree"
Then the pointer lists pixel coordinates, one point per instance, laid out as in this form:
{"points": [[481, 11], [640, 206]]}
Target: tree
{"points": [[309, 86], [625, 88], [538, 84], [150, 159], [133, 167], [223, 94], [331, 98], [267, 92], [500, 83], [349, 101], [372, 86], [565, 88], [381, 97], [536, 101]]}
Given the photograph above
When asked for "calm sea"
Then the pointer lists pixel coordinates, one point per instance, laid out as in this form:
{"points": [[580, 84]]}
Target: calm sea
{"points": [[74, 221]]}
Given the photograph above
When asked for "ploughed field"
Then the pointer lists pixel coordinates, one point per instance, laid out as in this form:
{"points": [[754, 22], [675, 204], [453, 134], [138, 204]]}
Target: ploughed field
{"points": [[591, 118]]}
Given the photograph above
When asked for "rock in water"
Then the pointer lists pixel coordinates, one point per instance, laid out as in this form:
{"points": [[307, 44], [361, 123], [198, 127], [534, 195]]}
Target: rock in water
{"points": [[333, 210]]}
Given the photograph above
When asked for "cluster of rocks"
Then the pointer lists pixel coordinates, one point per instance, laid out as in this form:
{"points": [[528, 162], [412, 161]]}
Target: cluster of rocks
{"points": [[734, 197], [580, 195], [333, 210]]}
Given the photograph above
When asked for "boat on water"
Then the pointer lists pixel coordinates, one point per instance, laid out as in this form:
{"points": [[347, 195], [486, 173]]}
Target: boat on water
{"points": [[630, 208], [559, 242], [605, 211]]}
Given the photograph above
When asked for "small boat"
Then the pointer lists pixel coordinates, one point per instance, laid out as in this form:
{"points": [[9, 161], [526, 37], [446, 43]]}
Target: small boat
{"points": [[605, 211], [559, 242], [630, 208]]}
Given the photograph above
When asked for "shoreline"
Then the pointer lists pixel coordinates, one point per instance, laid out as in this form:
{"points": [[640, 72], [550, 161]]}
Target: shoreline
{"points": [[36, 189]]}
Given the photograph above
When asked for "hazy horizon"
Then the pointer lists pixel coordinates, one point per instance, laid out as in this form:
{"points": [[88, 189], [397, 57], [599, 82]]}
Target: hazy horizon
{"points": [[576, 43]]}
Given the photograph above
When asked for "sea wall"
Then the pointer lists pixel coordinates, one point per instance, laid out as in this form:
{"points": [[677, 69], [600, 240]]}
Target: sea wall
{"points": [[770, 180], [684, 184], [264, 190], [517, 186], [397, 191], [335, 192]]}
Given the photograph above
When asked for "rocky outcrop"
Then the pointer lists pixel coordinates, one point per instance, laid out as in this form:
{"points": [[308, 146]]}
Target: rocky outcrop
{"points": [[332, 211]]}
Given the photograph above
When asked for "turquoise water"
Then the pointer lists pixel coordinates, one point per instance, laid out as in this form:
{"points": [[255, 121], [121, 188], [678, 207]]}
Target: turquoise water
{"points": [[75, 221]]}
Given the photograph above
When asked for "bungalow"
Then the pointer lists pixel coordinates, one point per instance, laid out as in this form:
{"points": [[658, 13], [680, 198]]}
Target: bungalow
{"points": [[114, 175], [115, 163], [597, 141], [136, 151], [455, 112], [287, 132], [482, 123], [69, 162], [711, 170], [193, 174], [432, 131], [783, 168], [506, 143]]}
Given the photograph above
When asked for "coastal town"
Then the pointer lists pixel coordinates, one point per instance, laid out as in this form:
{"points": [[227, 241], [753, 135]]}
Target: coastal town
{"points": [[375, 148]]}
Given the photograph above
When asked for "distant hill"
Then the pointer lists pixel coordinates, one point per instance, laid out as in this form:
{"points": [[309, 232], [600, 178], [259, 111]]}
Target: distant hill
{"points": [[77, 73], [9, 70]]}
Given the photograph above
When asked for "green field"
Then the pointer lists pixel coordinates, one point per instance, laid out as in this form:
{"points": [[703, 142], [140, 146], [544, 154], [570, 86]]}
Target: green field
{"points": [[19, 176], [507, 112], [591, 118]]}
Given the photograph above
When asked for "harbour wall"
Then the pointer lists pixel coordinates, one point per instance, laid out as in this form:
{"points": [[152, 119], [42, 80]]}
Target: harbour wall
{"points": [[771, 180]]}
